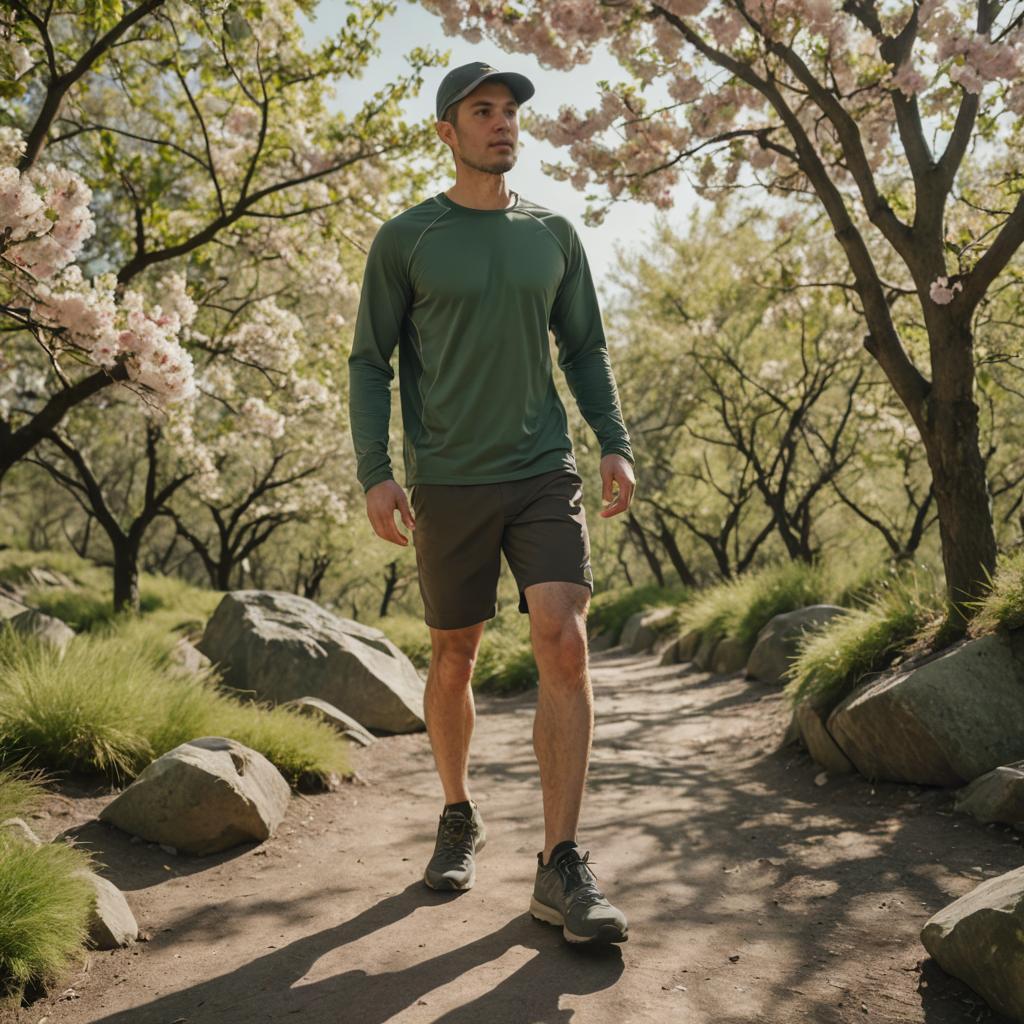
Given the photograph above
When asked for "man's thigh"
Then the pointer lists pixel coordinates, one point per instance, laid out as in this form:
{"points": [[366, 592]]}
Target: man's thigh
{"points": [[546, 538], [458, 552]]}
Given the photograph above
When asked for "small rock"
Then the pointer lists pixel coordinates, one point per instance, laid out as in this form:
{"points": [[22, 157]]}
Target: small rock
{"points": [[52, 631], [21, 830], [112, 924], [821, 778]]}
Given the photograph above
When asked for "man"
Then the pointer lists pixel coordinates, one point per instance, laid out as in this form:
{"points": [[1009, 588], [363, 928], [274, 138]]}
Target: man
{"points": [[467, 285]]}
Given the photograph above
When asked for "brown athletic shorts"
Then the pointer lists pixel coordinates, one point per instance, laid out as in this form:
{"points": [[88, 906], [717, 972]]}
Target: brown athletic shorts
{"points": [[461, 530]]}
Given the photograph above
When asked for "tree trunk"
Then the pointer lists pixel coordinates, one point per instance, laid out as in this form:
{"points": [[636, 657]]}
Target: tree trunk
{"points": [[640, 537], [389, 587], [961, 498], [668, 542], [222, 576], [126, 575]]}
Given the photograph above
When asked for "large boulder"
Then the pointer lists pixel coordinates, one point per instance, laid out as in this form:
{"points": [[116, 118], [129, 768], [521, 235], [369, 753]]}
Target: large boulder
{"points": [[777, 642], [944, 721], [670, 653], [203, 796], [643, 628], [979, 939], [10, 605], [997, 795], [811, 721], [705, 653], [55, 632], [730, 656], [187, 659], [283, 647]]}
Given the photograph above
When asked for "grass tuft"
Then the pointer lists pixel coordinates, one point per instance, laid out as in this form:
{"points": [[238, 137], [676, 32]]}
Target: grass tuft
{"points": [[834, 657], [111, 704], [742, 606], [1002, 607], [44, 907]]}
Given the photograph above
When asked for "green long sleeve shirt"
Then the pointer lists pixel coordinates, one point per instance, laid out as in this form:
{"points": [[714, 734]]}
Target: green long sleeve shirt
{"points": [[468, 296]]}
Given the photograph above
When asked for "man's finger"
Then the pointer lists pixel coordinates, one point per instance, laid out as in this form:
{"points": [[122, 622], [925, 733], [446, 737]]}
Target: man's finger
{"points": [[385, 528], [407, 517]]}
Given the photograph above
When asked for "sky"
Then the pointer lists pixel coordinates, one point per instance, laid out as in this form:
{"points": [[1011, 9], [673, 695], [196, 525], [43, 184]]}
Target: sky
{"points": [[627, 223]]}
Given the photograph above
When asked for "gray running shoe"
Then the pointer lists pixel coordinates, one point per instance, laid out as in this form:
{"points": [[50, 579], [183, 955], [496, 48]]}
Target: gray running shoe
{"points": [[459, 839], [565, 893]]}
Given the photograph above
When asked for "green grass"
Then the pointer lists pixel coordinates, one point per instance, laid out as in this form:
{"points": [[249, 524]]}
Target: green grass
{"points": [[88, 604], [1002, 607], [610, 609], [21, 791], [833, 658], [16, 563], [44, 909], [110, 705], [742, 606]]}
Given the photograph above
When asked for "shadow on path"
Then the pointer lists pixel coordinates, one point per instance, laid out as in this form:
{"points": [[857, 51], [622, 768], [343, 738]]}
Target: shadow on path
{"points": [[269, 987]]}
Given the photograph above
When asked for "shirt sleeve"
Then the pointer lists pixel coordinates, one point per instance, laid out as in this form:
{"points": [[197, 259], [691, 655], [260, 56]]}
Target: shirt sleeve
{"points": [[583, 352], [383, 302]]}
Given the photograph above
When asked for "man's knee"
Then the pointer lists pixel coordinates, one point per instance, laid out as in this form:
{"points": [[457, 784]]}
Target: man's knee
{"points": [[454, 654], [558, 614]]}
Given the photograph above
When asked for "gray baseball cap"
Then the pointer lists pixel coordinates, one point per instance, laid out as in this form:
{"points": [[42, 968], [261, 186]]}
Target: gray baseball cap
{"points": [[461, 81]]}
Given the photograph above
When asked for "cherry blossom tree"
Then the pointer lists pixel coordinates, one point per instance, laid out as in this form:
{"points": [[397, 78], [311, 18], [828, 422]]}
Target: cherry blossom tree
{"points": [[901, 121], [135, 141]]}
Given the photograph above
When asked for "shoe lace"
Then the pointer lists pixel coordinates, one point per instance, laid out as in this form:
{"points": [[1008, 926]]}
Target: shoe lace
{"points": [[578, 878], [457, 832]]}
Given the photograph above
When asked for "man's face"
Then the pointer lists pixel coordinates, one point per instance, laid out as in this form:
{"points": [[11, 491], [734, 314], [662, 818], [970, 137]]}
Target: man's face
{"points": [[486, 132]]}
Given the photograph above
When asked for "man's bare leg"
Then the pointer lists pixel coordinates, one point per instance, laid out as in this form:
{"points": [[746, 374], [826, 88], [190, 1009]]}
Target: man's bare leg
{"points": [[448, 706], [563, 726]]}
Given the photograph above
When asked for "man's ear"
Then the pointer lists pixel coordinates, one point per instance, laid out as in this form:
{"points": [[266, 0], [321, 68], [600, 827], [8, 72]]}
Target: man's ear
{"points": [[444, 132]]}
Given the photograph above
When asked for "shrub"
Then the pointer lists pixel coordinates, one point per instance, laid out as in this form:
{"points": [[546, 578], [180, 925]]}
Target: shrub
{"points": [[1003, 606], [834, 657], [44, 907], [610, 609], [742, 606], [111, 704]]}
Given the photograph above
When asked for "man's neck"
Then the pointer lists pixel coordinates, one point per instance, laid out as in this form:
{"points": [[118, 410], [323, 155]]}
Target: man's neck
{"points": [[481, 192]]}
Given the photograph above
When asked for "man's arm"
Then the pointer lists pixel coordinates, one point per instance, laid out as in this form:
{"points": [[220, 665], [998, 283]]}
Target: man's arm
{"points": [[583, 352], [383, 301]]}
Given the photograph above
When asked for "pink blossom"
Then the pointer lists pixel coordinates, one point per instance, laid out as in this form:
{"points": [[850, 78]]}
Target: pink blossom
{"points": [[907, 80], [941, 293]]}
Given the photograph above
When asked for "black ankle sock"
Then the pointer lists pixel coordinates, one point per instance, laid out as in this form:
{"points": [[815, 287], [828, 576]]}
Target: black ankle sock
{"points": [[463, 806], [565, 844]]}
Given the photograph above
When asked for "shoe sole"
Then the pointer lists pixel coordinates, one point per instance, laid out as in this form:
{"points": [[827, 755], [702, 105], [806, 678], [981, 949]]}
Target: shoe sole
{"points": [[447, 884], [606, 934]]}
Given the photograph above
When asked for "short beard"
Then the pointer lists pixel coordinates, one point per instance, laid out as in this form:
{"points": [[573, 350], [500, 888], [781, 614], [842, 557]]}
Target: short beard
{"points": [[506, 164]]}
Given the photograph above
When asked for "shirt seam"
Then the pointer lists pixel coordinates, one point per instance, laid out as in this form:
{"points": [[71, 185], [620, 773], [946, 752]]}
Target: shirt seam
{"points": [[558, 241], [412, 251]]}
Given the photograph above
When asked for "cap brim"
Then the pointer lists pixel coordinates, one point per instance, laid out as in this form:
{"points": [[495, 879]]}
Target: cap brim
{"points": [[522, 88]]}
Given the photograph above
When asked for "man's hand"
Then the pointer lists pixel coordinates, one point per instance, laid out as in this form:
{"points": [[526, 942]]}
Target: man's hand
{"points": [[381, 501], [616, 469]]}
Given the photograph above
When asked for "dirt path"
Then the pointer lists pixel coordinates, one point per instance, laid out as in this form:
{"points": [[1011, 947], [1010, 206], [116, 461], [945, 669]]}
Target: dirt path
{"points": [[753, 894]]}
